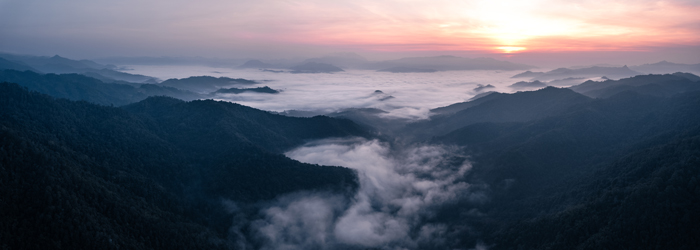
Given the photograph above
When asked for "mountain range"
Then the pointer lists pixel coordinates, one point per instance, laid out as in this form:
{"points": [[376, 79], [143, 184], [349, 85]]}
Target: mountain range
{"points": [[87, 163], [61, 65], [403, 65], [96, 176], [596, 71]]}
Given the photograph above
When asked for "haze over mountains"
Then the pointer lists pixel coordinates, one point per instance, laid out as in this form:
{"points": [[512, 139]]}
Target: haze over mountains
{"points": [[60, 65], [605, 158], [350, 125]]}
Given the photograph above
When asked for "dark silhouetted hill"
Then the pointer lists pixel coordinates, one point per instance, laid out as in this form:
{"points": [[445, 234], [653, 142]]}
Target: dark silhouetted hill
{"points": [[81, 87], [566, 82], [153, 175], [528, 74], [62, 65], [591, 176], [381, 96], [19, 66], [481, 87], [454, 108], [264, 90], [497, 107], [528, 85], [205, 84], [657, 85]]}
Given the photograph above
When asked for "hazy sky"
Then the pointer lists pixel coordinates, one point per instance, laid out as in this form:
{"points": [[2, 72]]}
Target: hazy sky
{"points": [[515, 29]]}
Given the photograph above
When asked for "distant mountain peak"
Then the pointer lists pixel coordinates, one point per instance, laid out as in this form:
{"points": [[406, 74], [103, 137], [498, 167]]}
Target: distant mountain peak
{"points": [[255, 64]]}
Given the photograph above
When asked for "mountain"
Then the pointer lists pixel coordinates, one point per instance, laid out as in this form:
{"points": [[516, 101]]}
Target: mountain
{"points": [[407, 70], [442, 63], [476, 100], [167, 60], [256, 64], [62, 65], [665, 67], [264, 90], [314, 67], [81, 87], [567, 81], [528, 85], [645, 200], [236, 124], [374, 120], [497, 107], [610, 72], [113, 75], [160, 173], [688, 76], [658, 85], [205, 84], [381, 96], [480, 87], [158, 90], [528, 74], [368, 117], [608, 173], [19, 66], [301, 113]]}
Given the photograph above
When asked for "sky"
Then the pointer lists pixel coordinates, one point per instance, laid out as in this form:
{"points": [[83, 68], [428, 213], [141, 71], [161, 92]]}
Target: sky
{"points": [[519, 30]]}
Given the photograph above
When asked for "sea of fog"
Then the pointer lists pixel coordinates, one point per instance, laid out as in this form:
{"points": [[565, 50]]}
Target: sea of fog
{"points": [[413, 93], [402, 187]]}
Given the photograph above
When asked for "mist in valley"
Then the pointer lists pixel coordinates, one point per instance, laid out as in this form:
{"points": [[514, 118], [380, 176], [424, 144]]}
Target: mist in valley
{"points": [[408, 185], [425, 159]]}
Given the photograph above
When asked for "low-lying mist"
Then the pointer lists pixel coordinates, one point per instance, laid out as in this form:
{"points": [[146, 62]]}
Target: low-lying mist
{"points": [[411, 95], [404, 189], [400, 190]]}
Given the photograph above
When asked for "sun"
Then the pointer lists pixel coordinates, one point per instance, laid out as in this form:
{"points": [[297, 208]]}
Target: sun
{"points": [[509, 49], [512, 24]]}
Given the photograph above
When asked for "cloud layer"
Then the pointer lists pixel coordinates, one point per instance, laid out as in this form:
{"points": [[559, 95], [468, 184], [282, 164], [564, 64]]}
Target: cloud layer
{"points": [[399, 192], [414, 93]]}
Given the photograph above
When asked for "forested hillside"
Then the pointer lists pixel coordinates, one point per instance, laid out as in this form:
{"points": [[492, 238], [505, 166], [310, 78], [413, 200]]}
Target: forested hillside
{"points": [[81, 176], [610, 173], [84, 88]]}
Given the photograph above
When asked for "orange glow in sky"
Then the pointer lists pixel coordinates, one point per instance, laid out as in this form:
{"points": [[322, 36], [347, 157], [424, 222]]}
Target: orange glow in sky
{"points": [[511, 26], [489, 26], [509, 50]]}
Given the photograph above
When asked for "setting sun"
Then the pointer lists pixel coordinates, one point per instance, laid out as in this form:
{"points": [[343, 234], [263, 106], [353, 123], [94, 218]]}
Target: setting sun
{"points": [[509, 50]]}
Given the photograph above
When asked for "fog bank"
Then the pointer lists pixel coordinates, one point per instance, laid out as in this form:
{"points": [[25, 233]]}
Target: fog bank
{"points": [[400, 188]]}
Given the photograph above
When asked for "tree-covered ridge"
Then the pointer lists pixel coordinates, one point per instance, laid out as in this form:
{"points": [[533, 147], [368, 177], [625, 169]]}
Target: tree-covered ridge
{"points": [[102, 177], [61, 65], [656, 85], [206, 84], [516, 107], [84, 88], [592, 176], [265, 90], [194, 125], [647, 199]]}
